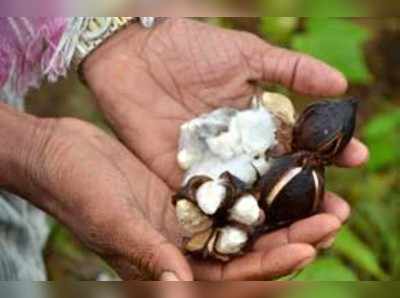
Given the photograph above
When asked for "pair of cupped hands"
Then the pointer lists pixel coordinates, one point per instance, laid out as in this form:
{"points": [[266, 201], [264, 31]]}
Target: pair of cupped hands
{"points": [[115, 195]]}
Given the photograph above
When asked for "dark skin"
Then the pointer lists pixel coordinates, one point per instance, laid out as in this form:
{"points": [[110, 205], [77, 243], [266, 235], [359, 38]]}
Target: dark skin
{"points": [[117, 197]]}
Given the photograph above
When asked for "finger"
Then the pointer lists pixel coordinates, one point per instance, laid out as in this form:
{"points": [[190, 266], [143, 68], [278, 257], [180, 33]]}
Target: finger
{"points": [[260, 265], [311, 230], [354, 155], [300, 73], [336, 206], [156, 261]]}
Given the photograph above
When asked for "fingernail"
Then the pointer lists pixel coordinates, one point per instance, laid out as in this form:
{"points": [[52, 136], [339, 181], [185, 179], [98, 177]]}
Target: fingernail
{"points": [[327, 242], [304, 263], [169, 276]]}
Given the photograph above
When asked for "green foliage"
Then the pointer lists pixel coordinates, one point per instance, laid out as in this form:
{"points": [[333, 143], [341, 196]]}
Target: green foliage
{"points": [[331, 8], [278, 29], [327, 269], [382, 136], [350, 246], [310, 8], [337, 42]]}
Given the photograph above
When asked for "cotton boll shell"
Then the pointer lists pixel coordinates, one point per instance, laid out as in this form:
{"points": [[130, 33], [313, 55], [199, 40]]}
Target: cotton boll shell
{"points": [[198, 242], [191, 218], [326, 127], [279, 105], [230, 241], [299, 198], [291, 190], [246, 211]]}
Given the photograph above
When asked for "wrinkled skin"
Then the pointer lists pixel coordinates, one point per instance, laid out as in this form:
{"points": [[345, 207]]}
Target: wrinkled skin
{"points": [[148, 82]]}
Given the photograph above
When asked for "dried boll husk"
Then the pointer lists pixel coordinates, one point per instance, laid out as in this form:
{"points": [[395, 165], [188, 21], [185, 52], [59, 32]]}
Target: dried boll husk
{"points": [[293, 189], [191, 218], [325, 128]]}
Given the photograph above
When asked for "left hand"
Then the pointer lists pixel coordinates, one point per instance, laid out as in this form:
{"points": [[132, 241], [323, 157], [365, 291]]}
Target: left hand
{"points": [[149, 82]]}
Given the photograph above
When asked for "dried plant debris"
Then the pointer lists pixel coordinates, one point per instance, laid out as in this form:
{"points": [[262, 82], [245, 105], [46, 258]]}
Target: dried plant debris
{"points": [[250, 171]]}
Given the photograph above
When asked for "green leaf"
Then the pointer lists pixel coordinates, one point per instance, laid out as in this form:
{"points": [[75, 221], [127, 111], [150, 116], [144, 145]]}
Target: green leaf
{"points": [[351, 247], [381, 135], [327, 269], [332, 8], [278, 29], [338, 43]]}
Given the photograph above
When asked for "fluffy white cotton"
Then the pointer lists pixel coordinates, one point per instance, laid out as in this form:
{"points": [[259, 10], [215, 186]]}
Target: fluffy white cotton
{"points": [[212, 167], [227, 140], [261, 165], [246, 211], [210, 196], [251, 132], [187, 159], [231, 241], [257, 131]]}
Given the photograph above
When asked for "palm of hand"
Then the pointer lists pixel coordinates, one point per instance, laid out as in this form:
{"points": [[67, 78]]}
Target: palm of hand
{"points": [[164, 77]]}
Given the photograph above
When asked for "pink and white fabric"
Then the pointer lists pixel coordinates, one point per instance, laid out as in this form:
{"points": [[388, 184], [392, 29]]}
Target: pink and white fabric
{"points": [[33, 48]]}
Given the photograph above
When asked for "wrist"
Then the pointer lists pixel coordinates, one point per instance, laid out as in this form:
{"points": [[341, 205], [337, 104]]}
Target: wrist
{"points": [[115, 52], [22, 139]]}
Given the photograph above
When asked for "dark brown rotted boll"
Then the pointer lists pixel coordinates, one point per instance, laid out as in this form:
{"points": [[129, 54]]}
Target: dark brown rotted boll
{"points": [[291, 190], [325, 128]]}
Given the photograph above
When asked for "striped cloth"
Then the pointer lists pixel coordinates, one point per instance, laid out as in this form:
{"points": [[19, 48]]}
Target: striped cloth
{"points": [[30, 49]]}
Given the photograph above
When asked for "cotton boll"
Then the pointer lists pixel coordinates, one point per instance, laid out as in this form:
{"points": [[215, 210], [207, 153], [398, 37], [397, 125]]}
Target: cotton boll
{"points": [[210, 196], [246, 211], [231, 240]]}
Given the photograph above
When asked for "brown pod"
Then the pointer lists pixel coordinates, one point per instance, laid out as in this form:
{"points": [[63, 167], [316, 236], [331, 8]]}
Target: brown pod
{"points": [[325, 127], [293, 189]]}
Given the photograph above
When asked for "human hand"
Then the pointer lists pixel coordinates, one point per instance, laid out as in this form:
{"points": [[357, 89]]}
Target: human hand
{"points": [[149, 82], [97, 188]]}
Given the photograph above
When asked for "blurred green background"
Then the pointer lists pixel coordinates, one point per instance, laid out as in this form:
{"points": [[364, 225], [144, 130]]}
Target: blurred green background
{"points": [[367, 51]]}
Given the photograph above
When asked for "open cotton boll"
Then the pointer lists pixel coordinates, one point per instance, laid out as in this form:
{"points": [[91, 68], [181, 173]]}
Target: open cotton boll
{"points": [[246, 211], [210, 196], [231, 240]]}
